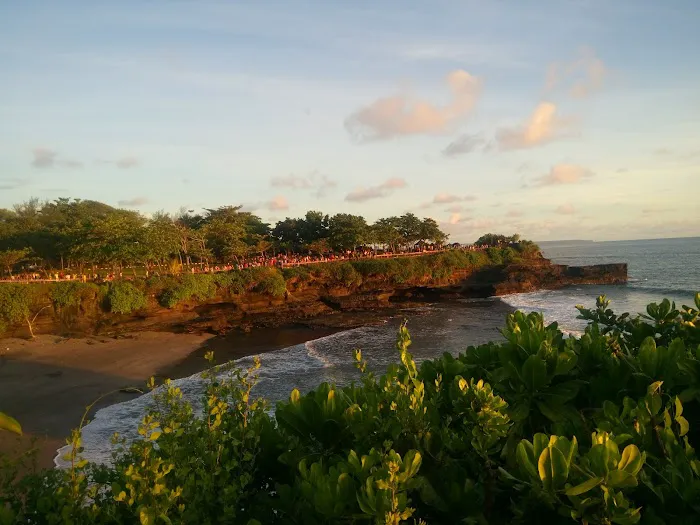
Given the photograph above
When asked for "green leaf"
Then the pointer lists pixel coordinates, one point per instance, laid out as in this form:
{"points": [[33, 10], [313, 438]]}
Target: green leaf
{"points": [[412, 462], [552, 467], [563, 392], [146, 516], [521, 411], [584, 487], [565, 362], [683, 424], [525, 454], [539, 443], [534, 373], [10, 424], [620, 479], [631, 460], [551, 411], [648, 356], [679, 407]]}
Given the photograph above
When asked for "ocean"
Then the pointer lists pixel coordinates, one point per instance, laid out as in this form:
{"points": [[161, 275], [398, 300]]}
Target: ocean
{"points": [[661, 268]]}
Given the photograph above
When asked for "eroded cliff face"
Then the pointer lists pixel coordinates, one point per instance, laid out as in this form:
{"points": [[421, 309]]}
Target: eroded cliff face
{"points": [[317, 300], [520, 278]]}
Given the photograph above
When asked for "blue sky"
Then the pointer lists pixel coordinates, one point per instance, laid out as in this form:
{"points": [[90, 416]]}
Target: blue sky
{"points": [[555, 119]]}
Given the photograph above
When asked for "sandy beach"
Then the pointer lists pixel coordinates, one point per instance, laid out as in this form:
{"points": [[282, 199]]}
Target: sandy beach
{"points": [[47, 383]]}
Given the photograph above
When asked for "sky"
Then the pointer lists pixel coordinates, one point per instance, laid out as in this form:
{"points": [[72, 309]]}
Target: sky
{"points": [[556, 119]]}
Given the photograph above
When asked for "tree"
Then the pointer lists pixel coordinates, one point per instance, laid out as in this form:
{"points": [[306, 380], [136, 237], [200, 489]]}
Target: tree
{"points": [[430, 231], [346, 231], [10, 258], [16, 304], [286, 235], [161, 239], [410, 227], [493, 239], [313, 227], [386, 232]]}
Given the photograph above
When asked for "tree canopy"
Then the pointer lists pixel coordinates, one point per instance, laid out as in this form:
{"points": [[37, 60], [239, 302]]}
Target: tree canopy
{"points": [[75, 233]]}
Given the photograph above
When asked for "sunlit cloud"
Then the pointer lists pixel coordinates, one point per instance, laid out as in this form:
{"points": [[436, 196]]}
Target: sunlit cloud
{"points": [[376, 192], [448, 198], [543, 126], [401, 115], [566, 209], [564, 174], [277, 203]]}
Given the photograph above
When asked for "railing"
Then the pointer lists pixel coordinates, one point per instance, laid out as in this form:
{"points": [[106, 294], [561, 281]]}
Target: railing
{"points": [[283, 265]]}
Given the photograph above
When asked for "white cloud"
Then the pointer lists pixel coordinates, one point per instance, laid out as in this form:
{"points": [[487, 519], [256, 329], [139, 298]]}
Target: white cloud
{"points": [[543, 126], [375, 192], [400, 115], [313, 181], [582, 77], [514, 213], [47, 158], [133, 203], [455, 208], [12, 183], [566, 209], [71, 164], [44, 158], [126, 163], [564, 174], [295, 182], [455, 218], [463, 144]]}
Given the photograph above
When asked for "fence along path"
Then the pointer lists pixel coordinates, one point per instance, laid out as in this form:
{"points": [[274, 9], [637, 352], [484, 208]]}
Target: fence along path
{"points": [[283, 265]]}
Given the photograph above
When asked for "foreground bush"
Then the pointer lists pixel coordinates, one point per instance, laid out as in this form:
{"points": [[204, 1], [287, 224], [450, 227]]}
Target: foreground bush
{"points": [[538, 428]]}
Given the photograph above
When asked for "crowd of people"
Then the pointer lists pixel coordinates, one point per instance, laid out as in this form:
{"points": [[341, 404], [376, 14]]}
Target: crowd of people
{"points": [[280, 260]]}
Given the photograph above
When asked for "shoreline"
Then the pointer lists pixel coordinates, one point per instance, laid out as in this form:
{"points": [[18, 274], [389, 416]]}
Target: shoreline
{"points": [[48, 382]]}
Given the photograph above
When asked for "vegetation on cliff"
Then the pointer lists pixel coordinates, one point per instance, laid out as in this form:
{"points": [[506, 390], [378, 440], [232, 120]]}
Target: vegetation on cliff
{"points": [[19, 303], [536, 428]]}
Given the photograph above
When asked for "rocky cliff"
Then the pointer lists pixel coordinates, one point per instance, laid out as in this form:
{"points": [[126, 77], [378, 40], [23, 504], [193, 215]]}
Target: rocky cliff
{"points": [[317, 301], [519, 278]]}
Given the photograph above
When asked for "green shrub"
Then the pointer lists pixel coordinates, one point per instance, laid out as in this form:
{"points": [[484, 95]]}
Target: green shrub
{"points": [[372, 267], [71, 293], [495, 255], [344, 274], [535, 428], [272, 284], [16, 302], [300, 273], [123, 297], [198, 286]]}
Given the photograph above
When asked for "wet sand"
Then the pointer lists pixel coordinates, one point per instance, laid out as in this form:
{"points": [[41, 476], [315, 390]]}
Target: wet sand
{"points": [[47, 383]]}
